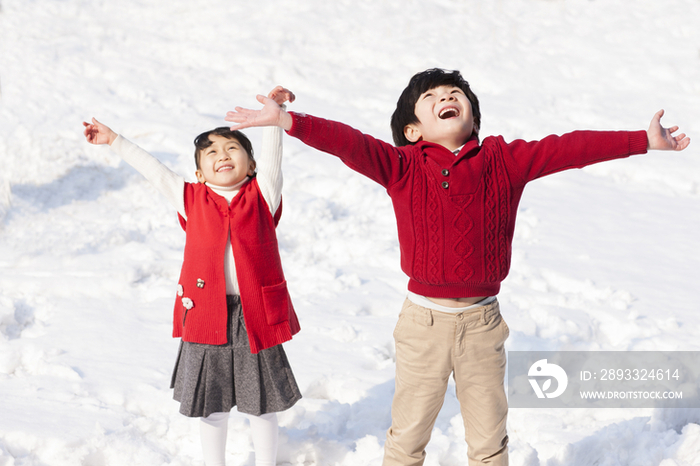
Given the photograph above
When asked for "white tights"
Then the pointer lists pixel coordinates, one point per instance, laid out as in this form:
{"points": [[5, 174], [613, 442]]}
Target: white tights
{"points": [[263, 428]]}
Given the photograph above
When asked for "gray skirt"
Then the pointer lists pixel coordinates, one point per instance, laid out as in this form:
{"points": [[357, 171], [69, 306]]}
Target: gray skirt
{"points": [[211, 379]]}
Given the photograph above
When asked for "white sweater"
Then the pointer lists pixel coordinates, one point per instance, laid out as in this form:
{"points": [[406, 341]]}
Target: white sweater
{"points": [[171, 185]]}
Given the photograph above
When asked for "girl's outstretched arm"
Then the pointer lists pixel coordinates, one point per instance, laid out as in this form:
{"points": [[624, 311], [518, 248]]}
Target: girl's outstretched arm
{"points": [[270, 160], [161, 177]]}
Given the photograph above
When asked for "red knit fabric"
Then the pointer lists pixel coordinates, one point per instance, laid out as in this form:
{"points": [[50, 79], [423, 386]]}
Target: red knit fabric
{"points": [[456, 214], [267, 308]]}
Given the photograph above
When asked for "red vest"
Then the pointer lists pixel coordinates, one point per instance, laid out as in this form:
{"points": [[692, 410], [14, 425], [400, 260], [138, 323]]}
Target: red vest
{"points": [[200, 309]]}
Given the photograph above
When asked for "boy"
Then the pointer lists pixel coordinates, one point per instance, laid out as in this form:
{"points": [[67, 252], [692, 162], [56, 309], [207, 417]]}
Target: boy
{"points": [[455, 201]]}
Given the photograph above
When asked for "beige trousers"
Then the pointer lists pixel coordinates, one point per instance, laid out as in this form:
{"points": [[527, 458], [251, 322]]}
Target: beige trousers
{"points": [[431, 346]]}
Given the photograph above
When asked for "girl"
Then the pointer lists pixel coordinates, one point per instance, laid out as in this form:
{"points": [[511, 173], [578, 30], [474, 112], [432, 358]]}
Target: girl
{"points": [[233, 311]]}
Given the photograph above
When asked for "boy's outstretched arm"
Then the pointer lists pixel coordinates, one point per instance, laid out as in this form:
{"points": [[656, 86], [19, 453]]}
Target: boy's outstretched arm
{"points": [[661, 138], [371, 157], [97, 133], [272, 114]]}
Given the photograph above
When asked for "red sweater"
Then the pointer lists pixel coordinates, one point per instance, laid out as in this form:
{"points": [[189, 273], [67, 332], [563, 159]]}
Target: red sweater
{"points": [[200, 310], [456, 214]]}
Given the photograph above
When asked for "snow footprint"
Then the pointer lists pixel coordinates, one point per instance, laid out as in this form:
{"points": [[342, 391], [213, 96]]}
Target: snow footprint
{"points": [[15, 317]]}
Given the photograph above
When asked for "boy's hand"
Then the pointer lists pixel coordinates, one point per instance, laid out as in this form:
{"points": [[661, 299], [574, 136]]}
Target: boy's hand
{"points": [[97, 133], [270, 115], [661, 138]]}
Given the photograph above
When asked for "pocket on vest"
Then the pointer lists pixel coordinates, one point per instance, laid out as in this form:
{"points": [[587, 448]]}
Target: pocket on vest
{"points": [[276, 302]]}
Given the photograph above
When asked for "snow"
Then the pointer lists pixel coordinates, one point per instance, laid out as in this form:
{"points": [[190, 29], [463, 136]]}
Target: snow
{"points": [[604, 258]]}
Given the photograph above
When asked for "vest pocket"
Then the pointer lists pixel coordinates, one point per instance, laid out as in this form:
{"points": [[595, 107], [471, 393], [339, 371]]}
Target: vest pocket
{"points": [[276, 302]]}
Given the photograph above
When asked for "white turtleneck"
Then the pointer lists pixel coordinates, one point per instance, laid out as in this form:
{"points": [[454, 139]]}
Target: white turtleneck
{"points": [[172, 185]]}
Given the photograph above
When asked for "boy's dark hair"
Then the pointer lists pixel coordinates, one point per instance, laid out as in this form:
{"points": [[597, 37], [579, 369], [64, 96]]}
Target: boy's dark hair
{"points": [[202, 141], [405, 113]]}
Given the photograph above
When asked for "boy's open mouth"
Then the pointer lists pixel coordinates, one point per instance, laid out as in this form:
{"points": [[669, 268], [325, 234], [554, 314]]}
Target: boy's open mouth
{"points": [[224, 168], [448, 112]]}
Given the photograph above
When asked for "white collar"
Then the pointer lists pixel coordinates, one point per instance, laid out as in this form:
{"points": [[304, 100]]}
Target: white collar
{"points": [[235, 187]]}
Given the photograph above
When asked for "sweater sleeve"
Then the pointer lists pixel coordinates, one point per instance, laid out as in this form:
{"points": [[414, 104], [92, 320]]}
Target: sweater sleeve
{"points": [[371, 157], [169, 183], [270, 167], [532, 160]]}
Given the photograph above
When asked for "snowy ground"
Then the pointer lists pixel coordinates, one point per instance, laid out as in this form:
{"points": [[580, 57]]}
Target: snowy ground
{"points": [[605, 258]]}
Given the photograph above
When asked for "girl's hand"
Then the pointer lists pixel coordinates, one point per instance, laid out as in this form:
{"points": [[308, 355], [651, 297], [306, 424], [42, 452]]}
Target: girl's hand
{"points": [[661, 138], [97, 133], [281, 95]]}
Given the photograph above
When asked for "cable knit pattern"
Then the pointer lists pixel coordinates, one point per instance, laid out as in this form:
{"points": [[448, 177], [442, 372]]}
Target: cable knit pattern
{"points": [[463, 246], [456, 214], [420, 231], [490, 224], [434, 235], [503, 236]]}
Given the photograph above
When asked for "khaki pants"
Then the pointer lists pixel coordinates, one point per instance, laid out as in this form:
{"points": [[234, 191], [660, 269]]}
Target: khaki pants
{"points": [[430, 346]]}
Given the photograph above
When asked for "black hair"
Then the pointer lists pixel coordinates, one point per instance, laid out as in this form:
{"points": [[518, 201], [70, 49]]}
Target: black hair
{"points": [[405, 113], [202, 141]]}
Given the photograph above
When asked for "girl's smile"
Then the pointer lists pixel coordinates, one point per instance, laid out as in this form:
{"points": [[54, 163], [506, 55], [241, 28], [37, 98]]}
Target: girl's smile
{"points": [[224, 163]]}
